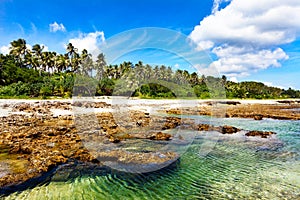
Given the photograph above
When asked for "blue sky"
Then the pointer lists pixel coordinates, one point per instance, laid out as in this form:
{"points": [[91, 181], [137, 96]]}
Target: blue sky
{"points": [[245, 40]]}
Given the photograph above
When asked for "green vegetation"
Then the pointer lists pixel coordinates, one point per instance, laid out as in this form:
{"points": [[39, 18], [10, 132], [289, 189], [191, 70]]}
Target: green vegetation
{"points": [[34, 73]]}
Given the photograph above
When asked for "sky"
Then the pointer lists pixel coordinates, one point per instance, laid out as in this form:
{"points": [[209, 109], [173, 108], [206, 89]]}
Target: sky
{"points": [[245, 40]]}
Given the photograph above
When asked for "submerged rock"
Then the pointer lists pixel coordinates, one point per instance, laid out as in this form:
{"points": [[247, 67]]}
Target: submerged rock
{"points": [[135, 162]]}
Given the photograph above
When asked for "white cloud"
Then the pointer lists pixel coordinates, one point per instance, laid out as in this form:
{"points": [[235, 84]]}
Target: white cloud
{"points": [[246, 35], [4, 49], [28, 46], [89, 41], [216, 5], [233, 79], [54, 27], [46, 48], [235, 61]]}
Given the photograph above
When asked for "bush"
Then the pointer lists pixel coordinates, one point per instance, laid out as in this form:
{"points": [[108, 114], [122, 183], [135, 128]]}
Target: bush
{"points": [[45, 91]]}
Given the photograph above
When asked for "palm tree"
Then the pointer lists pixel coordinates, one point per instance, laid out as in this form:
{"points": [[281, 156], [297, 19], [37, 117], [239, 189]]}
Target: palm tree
{"points": [[86, 63], [100, 65], [48, 61], [73, 57], [36, 56], [194, 79], [18, 49], [163, 74], [149, 72]]}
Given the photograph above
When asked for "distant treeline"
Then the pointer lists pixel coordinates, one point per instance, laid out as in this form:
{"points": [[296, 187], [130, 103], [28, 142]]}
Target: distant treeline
{"points": [[34, 72]]}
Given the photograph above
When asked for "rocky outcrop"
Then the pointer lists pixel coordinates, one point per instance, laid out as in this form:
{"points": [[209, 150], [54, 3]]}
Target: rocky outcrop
{"points": [[288, 101], [258, 117], [159, 136], [226, 129], [39, 143], [90, 104], [263, 134], [286, 111], [41, 107], [222, 102], [229, 129]]}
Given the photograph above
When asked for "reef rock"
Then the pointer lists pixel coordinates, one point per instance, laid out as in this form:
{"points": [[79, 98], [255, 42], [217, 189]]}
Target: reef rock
{"points": [[263, 134]]}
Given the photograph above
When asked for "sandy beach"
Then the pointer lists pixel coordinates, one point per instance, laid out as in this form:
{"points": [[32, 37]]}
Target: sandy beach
{"points": [[127, 103]]}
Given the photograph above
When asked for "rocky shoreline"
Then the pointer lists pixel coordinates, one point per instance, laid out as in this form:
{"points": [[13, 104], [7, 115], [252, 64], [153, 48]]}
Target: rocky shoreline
{"points": [[34, 141], [284, 110]]}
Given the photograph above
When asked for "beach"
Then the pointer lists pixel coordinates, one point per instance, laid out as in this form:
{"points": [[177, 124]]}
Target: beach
{"points": [[140, 136]]}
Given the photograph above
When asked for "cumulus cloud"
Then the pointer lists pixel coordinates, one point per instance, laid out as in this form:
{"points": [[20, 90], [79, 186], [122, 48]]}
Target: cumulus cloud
{"points": [[4, 49], [54, 27], [236, 61], [88, 41], [46, 48], [246, 35], [217, 4]]}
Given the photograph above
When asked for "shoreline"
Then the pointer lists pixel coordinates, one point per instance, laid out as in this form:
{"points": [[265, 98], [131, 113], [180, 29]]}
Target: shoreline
{"points": [[31, 133]]}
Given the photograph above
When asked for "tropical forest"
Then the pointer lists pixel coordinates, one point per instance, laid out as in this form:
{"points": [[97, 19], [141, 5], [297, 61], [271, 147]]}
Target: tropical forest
{"points": [[36, 73]]}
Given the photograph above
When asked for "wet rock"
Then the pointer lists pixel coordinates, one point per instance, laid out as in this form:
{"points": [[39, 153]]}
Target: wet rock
{"points": [[204, 127], [137, 162], [171, 122], [229, 129], [159, 136], [174, 111], [263, 134], [114, 139], [222, 129], [284, 111], [90, 104], [223, 102], [258, 117]]}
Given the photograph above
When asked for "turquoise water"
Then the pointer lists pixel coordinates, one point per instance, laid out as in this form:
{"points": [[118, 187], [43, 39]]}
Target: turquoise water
{"points": [[214, 166]]}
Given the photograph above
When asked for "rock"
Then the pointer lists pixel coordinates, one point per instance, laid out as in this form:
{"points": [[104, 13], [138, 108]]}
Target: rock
{"points": [[174, 111], [204, 127], [136, 162], [258, 117], [226, 129], [160, 136], [283, 111], [263, 134], [114, 139], [229, 129], [171, 122]]}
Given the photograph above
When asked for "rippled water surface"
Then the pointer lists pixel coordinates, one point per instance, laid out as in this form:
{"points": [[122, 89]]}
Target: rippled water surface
{"points": [[214, 166]]}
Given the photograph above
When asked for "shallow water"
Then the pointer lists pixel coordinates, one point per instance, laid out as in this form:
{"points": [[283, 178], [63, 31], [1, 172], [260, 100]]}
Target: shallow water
{"points": [[215, 166]]}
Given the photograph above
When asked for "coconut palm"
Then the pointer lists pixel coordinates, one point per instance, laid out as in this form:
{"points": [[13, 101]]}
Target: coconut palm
{"points": [[18, 49], [100, 66], [74, 59], [86, 63], [48, 61], [36, 56]]}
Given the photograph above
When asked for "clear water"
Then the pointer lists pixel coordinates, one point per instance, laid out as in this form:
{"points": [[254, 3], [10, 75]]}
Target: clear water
{"points": [[214, 166]]}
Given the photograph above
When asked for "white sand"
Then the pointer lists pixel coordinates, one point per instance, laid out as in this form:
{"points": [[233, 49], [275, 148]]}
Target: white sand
{"points": [[120, 104]]}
